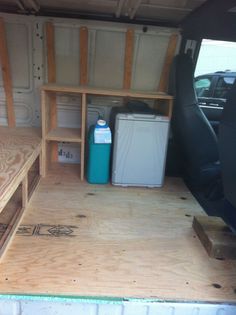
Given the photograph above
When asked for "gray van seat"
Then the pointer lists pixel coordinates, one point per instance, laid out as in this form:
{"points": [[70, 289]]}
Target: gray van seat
{"points": [[227, 146], [191, 129]]}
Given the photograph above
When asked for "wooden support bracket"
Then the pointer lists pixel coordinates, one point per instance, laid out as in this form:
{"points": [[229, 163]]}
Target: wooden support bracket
{"points": [[164, 79], [128, 62], [83, 129], [83, 42], [6, 74], [51, 66], [25, 192]]}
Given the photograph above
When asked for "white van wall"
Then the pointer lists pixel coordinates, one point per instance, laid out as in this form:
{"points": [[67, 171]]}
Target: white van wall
{"points": [[27, 53]]}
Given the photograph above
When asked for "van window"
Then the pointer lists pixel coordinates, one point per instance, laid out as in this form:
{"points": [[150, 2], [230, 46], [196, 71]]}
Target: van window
{"points": [[223, 86], [202, 86], [215, 56]]}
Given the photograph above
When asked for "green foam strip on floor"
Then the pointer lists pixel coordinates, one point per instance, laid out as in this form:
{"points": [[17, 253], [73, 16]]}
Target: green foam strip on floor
{"points": [[77, 299]]}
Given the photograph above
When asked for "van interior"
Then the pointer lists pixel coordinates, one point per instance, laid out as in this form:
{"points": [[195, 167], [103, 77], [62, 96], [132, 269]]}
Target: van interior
{"points": [[117, 161]]}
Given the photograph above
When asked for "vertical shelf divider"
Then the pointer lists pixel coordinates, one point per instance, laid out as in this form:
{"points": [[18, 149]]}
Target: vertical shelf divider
{"points": [[51, 66], [83, 132]]}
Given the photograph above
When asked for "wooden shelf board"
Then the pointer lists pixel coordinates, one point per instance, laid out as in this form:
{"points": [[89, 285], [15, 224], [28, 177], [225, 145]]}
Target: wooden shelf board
{"points": [[107, 92], [64, 135]]}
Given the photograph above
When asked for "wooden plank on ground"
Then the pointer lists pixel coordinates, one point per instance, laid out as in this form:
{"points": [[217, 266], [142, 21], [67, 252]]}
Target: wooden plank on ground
{"points": [[128, 63], [216, 237], [163, 83], [83, 41], [51, 66], [6, 74]]}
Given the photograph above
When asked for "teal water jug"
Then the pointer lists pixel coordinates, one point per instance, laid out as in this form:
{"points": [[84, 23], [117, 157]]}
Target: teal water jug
{"points": [[98, 164]]}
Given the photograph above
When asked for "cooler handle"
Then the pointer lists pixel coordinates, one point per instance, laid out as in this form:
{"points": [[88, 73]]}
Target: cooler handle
{"points": [[145, 116]]}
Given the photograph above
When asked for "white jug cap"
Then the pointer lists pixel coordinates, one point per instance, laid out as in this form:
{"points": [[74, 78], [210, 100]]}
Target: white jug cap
{"points": [[101, 122]]}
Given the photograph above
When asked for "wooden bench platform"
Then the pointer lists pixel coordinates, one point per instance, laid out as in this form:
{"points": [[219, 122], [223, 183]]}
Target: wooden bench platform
{"points": [[87, 240], [20, 149]]}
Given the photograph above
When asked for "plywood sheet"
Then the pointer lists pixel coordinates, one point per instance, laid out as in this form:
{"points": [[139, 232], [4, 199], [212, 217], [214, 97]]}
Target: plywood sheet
{"points": [[81, 239]]}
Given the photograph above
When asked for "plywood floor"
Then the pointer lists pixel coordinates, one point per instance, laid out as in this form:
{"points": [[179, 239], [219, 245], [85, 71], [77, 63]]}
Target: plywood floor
{"points": [[86, 240]]}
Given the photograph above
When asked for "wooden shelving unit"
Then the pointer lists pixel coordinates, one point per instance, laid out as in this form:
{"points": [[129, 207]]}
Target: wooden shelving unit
{"points": [[52, 134]]}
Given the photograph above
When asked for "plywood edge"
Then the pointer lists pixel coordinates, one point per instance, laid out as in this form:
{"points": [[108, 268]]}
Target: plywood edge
{"points": [[108, 92]]}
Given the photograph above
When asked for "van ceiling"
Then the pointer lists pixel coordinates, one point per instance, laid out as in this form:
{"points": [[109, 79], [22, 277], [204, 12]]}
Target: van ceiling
{"points": [[157, 12]]}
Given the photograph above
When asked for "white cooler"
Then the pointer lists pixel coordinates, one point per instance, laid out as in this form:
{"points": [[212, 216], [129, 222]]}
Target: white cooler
{"points": [[139, 153]]}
